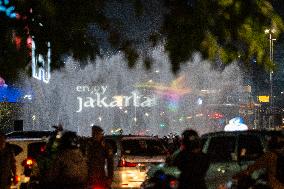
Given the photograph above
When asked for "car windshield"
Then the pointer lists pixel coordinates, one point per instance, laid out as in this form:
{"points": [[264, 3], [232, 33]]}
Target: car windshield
{"points": [[221, 148], [36, 149], [143, 147], [249, 147]]}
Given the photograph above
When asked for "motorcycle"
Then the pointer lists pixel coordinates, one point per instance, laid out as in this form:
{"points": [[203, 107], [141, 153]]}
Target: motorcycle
{"points": [[258, 181], [161, 177]]}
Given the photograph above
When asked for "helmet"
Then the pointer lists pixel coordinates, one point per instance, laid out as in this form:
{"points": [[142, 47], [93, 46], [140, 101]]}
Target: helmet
{"points": [[69, 139]]}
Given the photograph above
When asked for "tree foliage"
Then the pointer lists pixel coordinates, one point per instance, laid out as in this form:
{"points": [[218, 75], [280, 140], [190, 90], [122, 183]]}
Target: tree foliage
{"points": [[223, 30], [7, 116]]}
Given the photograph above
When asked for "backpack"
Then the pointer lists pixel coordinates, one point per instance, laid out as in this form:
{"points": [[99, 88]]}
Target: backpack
{"points": [[280, 168]]}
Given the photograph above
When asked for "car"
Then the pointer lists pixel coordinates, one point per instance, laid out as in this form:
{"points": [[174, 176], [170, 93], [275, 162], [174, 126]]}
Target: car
{"points": [[32, 144], [231, 152], [28, 134], [133, 156]]}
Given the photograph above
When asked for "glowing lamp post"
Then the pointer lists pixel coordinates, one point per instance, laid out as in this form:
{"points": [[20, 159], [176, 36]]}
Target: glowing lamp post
{"points": [[270, 32]]}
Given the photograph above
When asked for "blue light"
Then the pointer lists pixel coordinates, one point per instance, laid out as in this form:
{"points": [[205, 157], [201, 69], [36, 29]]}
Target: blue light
{"points": [[8, 94], [9, 10]]}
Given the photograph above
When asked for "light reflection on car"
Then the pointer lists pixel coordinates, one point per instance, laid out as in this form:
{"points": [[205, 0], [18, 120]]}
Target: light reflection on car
{"points": [[231, 152], [133, 157]]}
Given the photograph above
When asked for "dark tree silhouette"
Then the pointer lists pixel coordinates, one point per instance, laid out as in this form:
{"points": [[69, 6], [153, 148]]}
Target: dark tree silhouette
{"points": [[223, 30]]}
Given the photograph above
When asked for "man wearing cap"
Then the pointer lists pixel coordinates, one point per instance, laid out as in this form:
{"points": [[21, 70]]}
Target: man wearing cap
{"points": [[99, 156]]}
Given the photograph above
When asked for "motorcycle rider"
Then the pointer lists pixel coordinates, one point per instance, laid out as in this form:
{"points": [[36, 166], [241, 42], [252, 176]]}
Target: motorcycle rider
{"points": [[191, 161], [68, 170]]}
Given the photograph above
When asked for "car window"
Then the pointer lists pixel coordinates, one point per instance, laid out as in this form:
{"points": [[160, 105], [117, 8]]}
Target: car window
{"points": [[16, 148], [143, 147], [36, 149], [250, 147], [221, 148]]}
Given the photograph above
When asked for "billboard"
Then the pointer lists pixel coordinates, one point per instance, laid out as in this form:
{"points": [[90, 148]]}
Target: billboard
{"points": [[263, 98]]}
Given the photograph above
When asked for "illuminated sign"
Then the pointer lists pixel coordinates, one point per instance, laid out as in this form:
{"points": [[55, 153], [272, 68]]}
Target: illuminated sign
{"points": [[263, 98], [7, 9], [41, 64], [96, 98], [236, 124]]}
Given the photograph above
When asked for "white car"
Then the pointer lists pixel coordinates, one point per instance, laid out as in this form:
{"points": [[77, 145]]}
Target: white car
{"points": [[32, 143], [133, 156]]}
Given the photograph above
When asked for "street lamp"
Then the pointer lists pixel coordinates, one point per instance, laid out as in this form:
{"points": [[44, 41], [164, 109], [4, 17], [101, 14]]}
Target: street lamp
{"points": [[270, 32]]}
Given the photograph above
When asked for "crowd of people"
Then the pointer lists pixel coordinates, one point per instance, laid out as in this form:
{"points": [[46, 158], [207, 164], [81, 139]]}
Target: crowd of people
{"points": [[67, 165], [64, 164]]}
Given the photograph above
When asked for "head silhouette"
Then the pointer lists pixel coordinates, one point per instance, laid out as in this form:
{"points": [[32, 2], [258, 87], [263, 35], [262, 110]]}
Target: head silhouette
{"points": [[97, 132], [191, 140]]}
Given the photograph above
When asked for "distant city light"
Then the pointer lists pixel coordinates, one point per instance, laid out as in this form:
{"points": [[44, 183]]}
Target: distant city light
{"points": [[29, 97], [199, 101], [263, 98]]}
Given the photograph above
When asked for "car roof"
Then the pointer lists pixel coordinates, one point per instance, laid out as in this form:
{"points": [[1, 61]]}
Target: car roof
{"points": [[28, 140], [28, 134], [130, 137], [235, 133]]}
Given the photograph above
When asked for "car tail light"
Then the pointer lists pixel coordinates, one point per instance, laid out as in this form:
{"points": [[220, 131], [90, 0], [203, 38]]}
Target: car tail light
{"points": [[99, 187], [173, 184], [42, 148], [123, 163], [16, 179], [28, 162]]}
